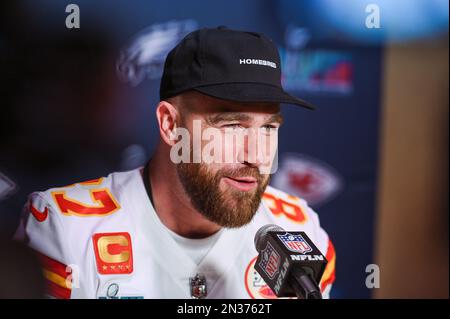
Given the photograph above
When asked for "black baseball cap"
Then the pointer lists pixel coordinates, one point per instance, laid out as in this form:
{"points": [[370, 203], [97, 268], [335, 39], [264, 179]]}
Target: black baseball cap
{"points": [[226, 64]]}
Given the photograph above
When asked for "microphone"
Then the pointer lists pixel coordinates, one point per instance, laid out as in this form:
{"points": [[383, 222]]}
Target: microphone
{"points": [[289, 262]]}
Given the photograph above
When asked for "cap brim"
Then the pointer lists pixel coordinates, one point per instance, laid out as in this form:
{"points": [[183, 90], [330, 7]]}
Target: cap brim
{"points": [[252, 92]]}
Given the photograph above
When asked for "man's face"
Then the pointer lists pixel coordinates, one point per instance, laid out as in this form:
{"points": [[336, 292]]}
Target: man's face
{"points": [[228, 190]]}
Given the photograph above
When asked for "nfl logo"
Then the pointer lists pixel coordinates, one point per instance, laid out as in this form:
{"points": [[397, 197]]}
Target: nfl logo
{"points": [[295, 243], [270, 261], [198, 287]]}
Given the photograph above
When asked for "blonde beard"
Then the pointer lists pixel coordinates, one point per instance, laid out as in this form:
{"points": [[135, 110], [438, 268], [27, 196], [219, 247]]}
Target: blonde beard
{"points": [[229, 208]]}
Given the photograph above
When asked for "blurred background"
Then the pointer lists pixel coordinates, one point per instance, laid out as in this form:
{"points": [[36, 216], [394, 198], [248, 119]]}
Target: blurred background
{"points": [[372, 160]]}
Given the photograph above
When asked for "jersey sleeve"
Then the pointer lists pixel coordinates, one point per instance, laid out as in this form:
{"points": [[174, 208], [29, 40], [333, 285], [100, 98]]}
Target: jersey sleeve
{"points": [[326, 247], [42, 230], [292, 212]]}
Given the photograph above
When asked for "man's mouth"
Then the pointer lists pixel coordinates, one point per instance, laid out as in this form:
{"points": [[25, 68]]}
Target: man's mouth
{"points": [[245, 183]]}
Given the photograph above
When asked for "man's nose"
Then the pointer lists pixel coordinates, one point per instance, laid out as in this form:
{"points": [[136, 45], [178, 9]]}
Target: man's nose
{"points": [[251, 151]]}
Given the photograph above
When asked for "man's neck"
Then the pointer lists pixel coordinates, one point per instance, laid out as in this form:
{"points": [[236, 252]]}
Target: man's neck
{"points": [[171, 203]]}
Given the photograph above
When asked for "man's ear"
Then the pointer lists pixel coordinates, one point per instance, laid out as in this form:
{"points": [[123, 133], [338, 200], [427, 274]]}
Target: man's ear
{"points": [[168, 116]]}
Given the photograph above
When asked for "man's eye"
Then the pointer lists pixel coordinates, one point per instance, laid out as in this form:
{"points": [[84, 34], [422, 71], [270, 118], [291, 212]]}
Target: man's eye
{"points": [[269, 127], [233, 125]]}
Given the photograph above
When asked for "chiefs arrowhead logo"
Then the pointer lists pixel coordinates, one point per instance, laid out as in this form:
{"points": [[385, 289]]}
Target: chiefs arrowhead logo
{"points": [[307, 178]]}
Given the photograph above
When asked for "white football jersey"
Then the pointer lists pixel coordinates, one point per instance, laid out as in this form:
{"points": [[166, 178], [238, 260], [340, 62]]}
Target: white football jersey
{"points": [[103, 239]]}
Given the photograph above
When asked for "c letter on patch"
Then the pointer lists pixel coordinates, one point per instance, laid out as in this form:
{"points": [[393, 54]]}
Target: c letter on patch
{"points": [[113, 253]]}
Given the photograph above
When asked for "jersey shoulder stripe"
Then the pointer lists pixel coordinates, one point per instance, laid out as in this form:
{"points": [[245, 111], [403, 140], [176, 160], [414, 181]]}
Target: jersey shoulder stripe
{"points": [[329, 274], [57, 277]]}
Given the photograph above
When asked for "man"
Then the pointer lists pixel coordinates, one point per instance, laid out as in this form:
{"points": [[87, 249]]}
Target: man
{"points": [[183, 226]]}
